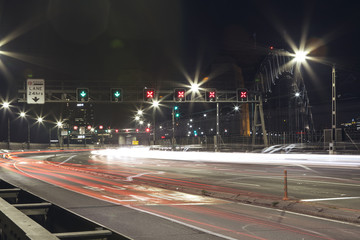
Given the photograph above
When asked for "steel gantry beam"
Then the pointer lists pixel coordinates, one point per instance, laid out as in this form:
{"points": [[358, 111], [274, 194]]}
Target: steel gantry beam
{"points": [[151, 95]]}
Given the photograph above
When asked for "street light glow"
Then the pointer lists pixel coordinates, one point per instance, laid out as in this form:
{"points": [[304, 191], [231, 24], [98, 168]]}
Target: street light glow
{"points": [[194, 87], [155, 103], [6, 105], [40, 119], [59, 124], [300, 56], [22, 114]]}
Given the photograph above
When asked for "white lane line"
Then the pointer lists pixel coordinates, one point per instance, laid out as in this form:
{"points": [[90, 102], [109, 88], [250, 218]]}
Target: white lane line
{"points": [[247, 184], [182, 223], [328, 199], [300, 180], [68, 159], [131, 178], [120, 200], [306, 168]]}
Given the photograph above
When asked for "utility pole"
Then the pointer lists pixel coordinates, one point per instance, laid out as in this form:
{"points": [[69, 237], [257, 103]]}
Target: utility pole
{"points": [[333, 112]]}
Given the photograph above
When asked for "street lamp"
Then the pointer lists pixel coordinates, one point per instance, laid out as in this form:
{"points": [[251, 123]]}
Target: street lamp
{"points": [[6, 106], [300, 57], [23, 115], [60, 125], [155, 105]]}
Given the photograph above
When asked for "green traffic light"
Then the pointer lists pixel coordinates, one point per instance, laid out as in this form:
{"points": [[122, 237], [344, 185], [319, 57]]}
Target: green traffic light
{"points": [[83, 94], [176, 108], [177, 115], [117, 94]]}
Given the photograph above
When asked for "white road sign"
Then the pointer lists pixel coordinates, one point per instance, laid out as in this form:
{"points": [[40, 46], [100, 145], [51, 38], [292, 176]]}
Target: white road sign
{"points": [[35, 91]]}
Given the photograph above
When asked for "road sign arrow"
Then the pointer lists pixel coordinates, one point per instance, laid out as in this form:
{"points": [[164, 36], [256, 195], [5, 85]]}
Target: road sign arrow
{"points": [[35, 99]]}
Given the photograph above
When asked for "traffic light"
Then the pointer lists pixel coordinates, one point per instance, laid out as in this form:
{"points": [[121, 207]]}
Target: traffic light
{"points": [[116, 95], [176, 112], [179, 95], [149, 94], [211, 95], [147, 130], [82, 94], [242, 94]]}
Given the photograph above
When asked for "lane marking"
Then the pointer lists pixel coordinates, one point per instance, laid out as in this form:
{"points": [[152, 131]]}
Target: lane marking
{"points": [[68, 159], [182, 223], [247, 184], [120, 200], [299, 214], [328, 199], [131, 178], [301, 180], [306, 168]]}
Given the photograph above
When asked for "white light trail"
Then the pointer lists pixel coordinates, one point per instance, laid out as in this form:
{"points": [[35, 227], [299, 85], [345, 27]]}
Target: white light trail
{"points": [[222, 157]]}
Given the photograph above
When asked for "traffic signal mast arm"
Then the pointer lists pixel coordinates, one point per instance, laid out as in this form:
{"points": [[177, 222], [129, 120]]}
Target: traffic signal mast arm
{"points": [[102, 96]]}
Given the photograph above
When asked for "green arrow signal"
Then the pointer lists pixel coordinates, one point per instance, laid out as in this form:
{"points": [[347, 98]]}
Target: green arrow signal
{"points": [[117, 94], [83, 93]]}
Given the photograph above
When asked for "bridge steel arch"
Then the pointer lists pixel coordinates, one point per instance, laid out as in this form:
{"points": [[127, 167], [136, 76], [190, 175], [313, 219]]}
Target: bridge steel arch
{"points": [[276, 67]]}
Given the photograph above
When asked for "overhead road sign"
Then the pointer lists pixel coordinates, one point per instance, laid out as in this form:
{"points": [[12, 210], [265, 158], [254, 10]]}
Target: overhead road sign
{"points": [[35, 93]]}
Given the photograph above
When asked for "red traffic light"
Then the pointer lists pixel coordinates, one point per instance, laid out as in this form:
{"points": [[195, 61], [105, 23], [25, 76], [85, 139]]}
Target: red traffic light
{"points": [[147, 130], [242, 94], [101, 127], [116, 130], [76, 128], [179, 94], [149, 94], [211, 95]]}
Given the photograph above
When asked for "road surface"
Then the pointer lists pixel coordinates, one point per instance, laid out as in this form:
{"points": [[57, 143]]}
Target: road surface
{"points": [[129, 195]]}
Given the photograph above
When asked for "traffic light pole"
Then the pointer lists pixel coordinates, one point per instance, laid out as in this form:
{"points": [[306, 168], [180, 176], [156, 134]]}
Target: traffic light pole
{"points": [[217, 140], [173, 129], [332, 146], [154, 128]]}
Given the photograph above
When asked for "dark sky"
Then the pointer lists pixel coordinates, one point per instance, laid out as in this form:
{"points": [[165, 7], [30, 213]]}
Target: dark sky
{"points": [[152, 43]]}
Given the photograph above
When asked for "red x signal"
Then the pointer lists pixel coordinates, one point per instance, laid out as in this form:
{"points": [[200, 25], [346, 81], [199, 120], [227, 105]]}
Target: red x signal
{"points": [[149, 94]]}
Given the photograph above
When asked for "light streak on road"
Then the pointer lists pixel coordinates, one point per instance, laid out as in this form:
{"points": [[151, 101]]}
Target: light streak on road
{"points": [[107, 178], [252, 158]]}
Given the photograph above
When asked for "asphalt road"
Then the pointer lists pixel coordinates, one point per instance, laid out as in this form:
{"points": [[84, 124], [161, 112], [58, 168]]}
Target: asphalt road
{"points": [[132, 196]]}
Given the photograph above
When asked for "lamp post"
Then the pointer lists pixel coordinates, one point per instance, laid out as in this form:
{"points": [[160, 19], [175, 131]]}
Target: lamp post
{"points": [[23, 115], [333, 111], [155, 105], [300, 57], [6, 106], [59, 125]]}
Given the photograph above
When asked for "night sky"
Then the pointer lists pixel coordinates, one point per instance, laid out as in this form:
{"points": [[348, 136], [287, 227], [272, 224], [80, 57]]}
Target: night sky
{"points": [[153, 43]]}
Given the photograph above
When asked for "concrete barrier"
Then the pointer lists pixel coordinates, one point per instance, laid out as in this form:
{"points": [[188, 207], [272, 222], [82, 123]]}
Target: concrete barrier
{"points": [[16, 225]]}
